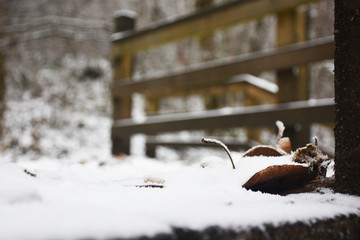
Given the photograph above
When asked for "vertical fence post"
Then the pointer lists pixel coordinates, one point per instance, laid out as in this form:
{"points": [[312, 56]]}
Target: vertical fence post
{"points": [[302, 21], [124, 20], [206, 45], [347, 96], [291, 28]]}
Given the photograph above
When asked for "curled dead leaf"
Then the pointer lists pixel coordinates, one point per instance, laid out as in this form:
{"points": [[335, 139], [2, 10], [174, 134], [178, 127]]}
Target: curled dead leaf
{"points": [[284, 179], [267, 151], [284, 144], [278, 179], [312, 155], [309, 154]]}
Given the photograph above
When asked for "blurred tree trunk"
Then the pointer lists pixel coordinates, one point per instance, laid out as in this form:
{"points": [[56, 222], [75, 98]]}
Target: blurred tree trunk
{"points": [[2, 93], [347, 96], [2, 80]]}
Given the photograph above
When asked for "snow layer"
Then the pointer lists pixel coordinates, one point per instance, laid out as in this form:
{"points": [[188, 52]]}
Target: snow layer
{"points": [[68, 200]]}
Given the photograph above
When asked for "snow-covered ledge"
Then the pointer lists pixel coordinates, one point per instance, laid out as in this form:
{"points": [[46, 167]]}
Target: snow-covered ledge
{"points": [[49, 199]]}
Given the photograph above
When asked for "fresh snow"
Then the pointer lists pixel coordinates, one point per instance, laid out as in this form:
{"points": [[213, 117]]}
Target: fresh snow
{"points": [[71, 200]]}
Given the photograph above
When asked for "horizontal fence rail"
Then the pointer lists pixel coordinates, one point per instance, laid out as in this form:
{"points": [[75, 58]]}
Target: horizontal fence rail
{"points": [[263, 115], [199, 23], [218, 71], [153, 142]]}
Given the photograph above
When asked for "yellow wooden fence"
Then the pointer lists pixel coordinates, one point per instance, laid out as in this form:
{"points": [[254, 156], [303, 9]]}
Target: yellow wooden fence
{"points": [[288, 104]]}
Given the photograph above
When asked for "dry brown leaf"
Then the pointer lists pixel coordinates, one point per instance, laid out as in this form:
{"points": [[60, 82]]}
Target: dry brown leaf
{"points": [[311, 155], [278, 179], [284, 179], [155, 180], [284, 144], [267, 151]]}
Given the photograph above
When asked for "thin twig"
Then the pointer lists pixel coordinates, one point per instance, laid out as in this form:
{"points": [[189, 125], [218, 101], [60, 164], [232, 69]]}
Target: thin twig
{"points": [[217, 142], [29, 173], [150, 186]]}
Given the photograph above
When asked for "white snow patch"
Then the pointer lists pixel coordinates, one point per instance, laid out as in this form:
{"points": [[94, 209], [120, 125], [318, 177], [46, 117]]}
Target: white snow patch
{"points": [[71, 200]]}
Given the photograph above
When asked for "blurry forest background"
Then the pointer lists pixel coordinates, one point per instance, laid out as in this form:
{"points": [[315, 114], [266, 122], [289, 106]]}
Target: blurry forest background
{"points": [[57, 59]]}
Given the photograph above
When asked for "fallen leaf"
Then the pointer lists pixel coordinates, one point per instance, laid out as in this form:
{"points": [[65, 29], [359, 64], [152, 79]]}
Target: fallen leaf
{"points": [[154, 180], [284, 144], [262, 150], [311, 155], [278, 179]]}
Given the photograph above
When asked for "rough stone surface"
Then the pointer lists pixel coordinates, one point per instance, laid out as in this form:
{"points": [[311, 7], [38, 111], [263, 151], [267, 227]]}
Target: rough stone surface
{"points": [[341, 227]]}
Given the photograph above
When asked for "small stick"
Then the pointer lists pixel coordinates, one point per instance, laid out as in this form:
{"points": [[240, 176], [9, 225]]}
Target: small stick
{"points": [[30, 173], [217, 142], [150, 186]]}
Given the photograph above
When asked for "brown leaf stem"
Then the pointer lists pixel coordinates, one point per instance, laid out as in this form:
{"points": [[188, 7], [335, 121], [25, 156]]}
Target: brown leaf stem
{"points": [[217, 142]]}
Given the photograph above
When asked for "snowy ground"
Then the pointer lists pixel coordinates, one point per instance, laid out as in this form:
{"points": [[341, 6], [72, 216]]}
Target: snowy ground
{"points": [[72, 199]]}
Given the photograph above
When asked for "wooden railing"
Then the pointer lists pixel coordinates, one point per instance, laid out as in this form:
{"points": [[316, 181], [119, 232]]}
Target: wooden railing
{"points": [[290, 103]]}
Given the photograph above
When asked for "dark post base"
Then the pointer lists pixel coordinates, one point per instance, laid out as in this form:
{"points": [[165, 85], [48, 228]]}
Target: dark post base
{"points": [[120, 145]]}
